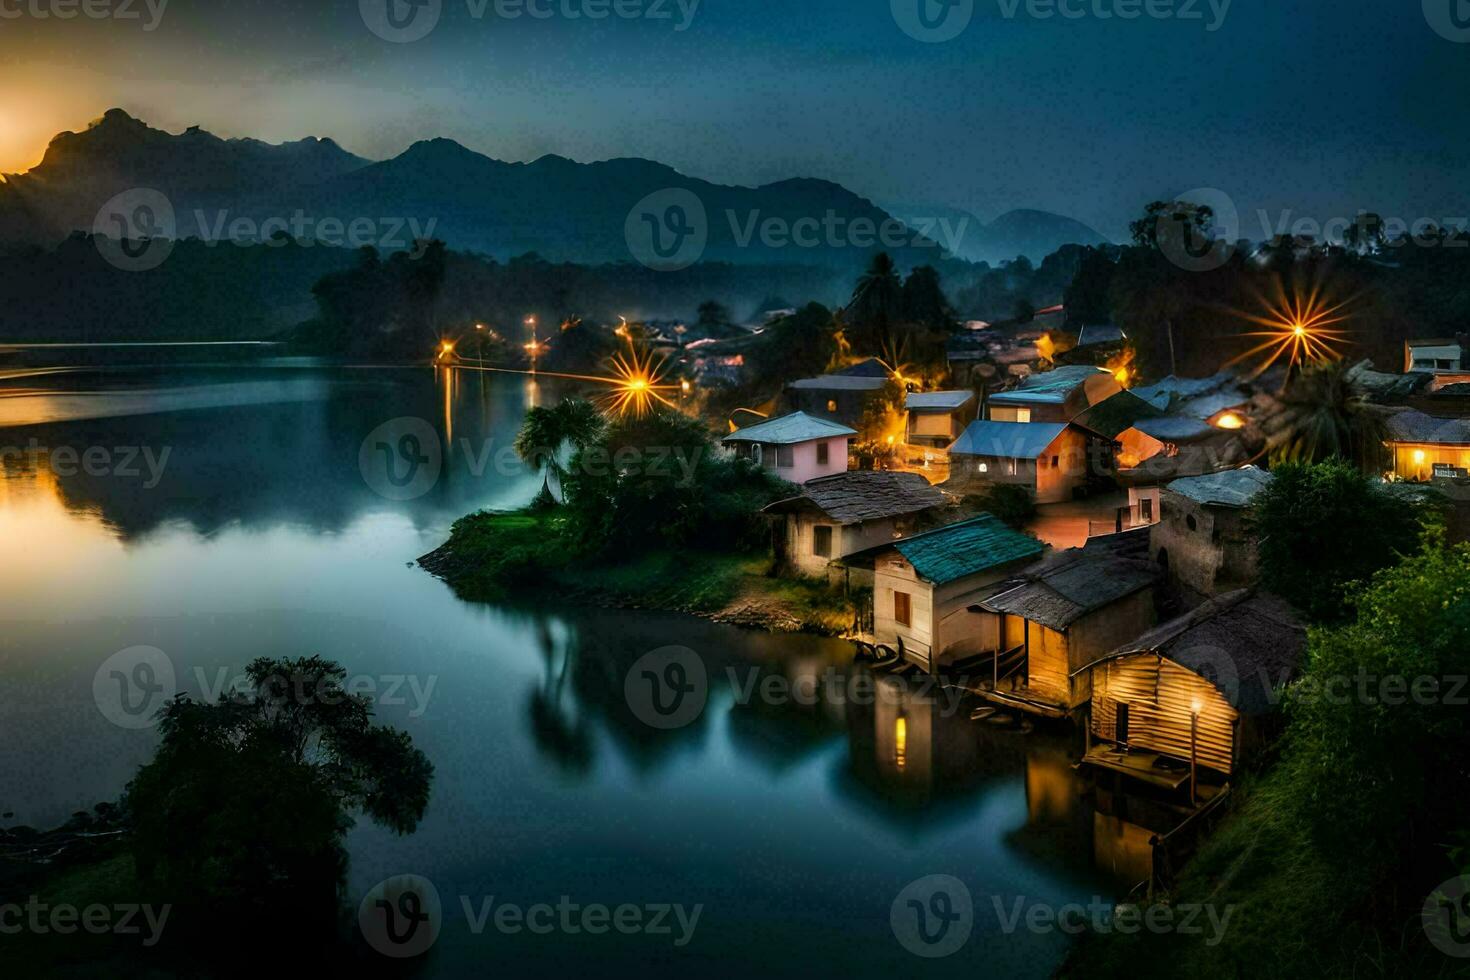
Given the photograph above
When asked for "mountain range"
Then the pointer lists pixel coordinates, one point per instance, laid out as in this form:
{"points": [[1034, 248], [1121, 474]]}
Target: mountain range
{"points": [[564, 210]]}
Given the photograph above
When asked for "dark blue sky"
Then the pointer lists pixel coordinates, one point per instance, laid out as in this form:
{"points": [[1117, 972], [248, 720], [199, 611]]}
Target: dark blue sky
{"points": [[1315, 106]]}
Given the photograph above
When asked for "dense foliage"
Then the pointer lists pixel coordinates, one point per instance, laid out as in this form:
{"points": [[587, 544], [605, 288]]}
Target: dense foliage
{"points": [[1321, 527], [241, 815]]}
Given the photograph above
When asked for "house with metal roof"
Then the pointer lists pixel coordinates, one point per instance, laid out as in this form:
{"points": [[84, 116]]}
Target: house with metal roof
{"points": [[1038, 628], [1424, 446], [797, 447], [937, 418], [1195, 695], [924, 584], [1059, 395], [1443, 358], [1219, 400], [1054, 460], [843, 398], [1202, 539], [835, 516]]}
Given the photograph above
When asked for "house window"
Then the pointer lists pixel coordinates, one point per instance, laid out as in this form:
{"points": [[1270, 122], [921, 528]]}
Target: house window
{"points": [[982, 467], [1023, 415], [1147, 507], [822, 541], [823, 454], [785, 457], [1056, 462], [831, 404], [903, 609]]}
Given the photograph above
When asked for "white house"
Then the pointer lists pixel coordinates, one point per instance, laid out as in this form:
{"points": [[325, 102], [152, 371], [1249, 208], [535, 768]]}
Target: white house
{"points": [[839, 515], [797, 447], [1439, 356]]}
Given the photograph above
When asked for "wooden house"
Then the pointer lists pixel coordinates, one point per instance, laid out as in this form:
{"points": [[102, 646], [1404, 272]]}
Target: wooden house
{"points": [[1054, 396], [836, 516], [1424, 446], [1054, 460], [937, 418], [841, 398], [796, 447], [1061, 614], [923, 585], [1202, 688]]}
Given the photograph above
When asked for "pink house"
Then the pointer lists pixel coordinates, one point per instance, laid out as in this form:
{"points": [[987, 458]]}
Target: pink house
{"points": [[796, 447]]}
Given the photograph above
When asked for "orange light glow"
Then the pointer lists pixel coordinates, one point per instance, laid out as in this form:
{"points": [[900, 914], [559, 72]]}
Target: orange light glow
{"points": [[1297, 330], [637, 383], [1230, 421]]}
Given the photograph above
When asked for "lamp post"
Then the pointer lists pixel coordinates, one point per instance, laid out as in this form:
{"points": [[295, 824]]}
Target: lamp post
{"points": [[1193, 753]]}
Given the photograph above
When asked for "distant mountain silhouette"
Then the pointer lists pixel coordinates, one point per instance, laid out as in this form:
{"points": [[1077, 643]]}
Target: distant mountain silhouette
{"points": [[1034, 234], [564, 210]]}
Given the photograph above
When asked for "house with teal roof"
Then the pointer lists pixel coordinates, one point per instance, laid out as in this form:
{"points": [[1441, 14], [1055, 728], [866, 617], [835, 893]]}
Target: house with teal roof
{"points": [[924, 584]]}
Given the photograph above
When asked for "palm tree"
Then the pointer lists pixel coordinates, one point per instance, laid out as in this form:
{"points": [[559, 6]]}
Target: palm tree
{"points": [[1324, 413], [546, 430], [877, 303]]}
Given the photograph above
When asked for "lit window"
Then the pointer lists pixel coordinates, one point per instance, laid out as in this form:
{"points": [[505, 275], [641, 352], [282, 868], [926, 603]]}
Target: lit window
{"points": [[982, 467], [1023, 415], [831, 404]]}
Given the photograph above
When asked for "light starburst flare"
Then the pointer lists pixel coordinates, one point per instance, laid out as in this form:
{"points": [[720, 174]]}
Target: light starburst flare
{"points": [[1299, 330], [638, 384]]}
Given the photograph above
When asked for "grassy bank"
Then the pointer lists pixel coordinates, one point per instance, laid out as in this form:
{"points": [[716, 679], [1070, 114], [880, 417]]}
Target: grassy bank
{"points": [[498, 557]]}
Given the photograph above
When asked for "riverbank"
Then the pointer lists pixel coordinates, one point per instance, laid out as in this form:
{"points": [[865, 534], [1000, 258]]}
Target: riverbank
{"points": [[493, 557]]}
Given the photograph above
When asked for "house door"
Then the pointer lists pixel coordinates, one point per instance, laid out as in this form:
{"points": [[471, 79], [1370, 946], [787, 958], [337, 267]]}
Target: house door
{"points": [[1120, 724]]}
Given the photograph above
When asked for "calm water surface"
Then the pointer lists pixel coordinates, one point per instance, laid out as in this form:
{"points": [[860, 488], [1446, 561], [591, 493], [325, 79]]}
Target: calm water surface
{"points": [[794, 826]]}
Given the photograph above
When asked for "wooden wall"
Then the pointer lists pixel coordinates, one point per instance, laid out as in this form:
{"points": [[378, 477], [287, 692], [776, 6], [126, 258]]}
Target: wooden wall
{"points": [[1159, 694]]}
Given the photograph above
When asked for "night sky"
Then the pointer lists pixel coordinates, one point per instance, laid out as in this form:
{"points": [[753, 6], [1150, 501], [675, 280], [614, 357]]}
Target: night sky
{"points": [[1315, 106]]}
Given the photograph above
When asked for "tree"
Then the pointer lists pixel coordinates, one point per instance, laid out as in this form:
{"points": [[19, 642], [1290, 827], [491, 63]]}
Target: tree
{"points": [[797, 346], [924, 304], [1306, 554], [241, 814], [1323, 415], [876, 306], [546, 430]]}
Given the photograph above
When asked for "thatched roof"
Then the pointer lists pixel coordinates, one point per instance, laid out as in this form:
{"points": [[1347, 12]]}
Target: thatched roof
{"points": [[850, 498], [1245, 643]]}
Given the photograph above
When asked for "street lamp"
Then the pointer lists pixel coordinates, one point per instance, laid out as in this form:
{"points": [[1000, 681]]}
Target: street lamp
{"points": [[1194, 710]]}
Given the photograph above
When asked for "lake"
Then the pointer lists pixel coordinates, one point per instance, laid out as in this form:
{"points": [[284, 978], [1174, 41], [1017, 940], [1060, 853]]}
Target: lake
{"points": [[213, 513]]}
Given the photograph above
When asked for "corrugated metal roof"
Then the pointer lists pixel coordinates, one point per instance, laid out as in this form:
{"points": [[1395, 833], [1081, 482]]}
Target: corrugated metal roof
{"points": [[1007, 440], [865, 495], [839, 382], [1162, 392], [950, 553], [938, 401], [789, 429], [1050, 386], [1230, 488], [1175, 428], [1415, 426], [1113, 415]]}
